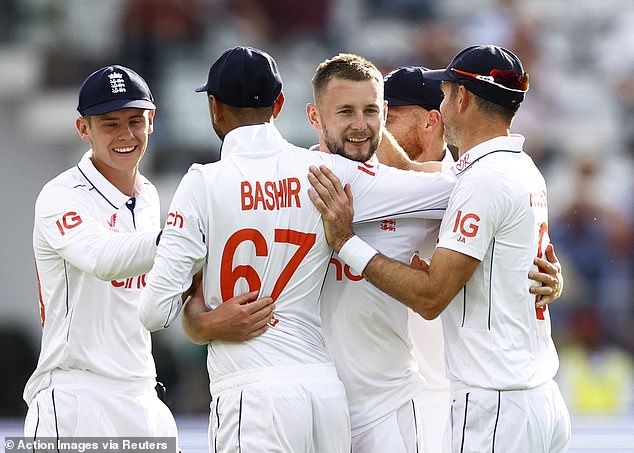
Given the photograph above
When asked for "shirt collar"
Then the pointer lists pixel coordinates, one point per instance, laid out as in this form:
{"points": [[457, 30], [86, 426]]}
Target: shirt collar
{"points": [[513, 143], [105, 188], [241, 140], [447, 158]]}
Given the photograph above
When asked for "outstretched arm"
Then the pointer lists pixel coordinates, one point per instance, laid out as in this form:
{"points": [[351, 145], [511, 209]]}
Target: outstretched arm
{"points": [[427, 291]]}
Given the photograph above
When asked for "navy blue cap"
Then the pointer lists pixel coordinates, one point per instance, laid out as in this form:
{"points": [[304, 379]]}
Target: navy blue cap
{"points": [[114, 88], [490, 72], [244, 77], [408, 85]]}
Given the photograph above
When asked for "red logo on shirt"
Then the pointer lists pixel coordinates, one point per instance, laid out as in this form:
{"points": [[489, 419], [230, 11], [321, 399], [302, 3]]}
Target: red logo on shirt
{"points": [[538, 199], [388, 225], [136, 282], [68, 221], [468, 225], [463, 162], [367, 168], [343, 270], [174, 219], [113, 220]]}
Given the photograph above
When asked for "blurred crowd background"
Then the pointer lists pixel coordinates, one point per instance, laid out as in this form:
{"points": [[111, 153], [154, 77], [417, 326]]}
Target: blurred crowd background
{"points": [[578, 120]]}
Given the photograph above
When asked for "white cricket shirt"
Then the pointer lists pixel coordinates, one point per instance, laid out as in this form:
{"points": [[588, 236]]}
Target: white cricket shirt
{"points": [[427, 335], [366, 331], [92, 252], [498, 213], [385, 354], [248, 221]]}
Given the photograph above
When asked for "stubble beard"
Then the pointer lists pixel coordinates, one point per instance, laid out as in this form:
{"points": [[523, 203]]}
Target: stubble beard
{"points": [[338, 147]]}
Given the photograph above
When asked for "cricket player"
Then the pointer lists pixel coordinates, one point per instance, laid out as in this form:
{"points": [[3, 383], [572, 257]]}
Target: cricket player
{"points": [[247, 221], [499, 353], [415, 122], [365, 331], [95, 236], [397, 390]]}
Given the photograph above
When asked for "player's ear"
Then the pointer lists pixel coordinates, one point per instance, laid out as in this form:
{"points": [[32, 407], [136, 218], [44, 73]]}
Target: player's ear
{"points": [[150, 122], [464, 98], [82, 126], [215, 110], [312, 112], [277, 106], [433, 119]]}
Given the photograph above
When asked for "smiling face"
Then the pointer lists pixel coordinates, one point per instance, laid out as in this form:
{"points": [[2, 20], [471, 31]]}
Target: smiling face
{"points": [[349, 117], [119, 140]]}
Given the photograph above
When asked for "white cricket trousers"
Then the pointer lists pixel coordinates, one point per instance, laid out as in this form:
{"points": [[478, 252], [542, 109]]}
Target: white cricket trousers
{"points": [[298, 409], [515, 421], [84, 404], [398, 432], [433, 407]]}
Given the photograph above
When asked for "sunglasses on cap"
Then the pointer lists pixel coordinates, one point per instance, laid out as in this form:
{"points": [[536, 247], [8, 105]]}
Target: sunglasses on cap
{"points": [[508, 79]]}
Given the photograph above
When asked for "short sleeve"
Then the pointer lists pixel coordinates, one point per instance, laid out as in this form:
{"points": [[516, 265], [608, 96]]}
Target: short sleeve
{"points": [[476, 209]]}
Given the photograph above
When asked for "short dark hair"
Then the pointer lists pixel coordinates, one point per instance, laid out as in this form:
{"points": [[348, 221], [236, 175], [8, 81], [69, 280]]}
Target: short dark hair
{"points": [[496, 110], [248, 114], [487, 107], [345, 66]]}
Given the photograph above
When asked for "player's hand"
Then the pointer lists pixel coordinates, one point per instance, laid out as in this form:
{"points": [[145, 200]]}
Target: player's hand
{"points": [[334, 202], [549, 276], [240, 318]]}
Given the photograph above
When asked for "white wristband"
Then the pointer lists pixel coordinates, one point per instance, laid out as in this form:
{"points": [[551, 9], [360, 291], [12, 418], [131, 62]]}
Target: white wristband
{"points": [[357, 254]]}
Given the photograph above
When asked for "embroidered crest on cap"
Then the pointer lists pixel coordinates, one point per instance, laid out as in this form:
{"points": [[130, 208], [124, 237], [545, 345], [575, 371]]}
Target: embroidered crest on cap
{"points": [[117, 84]]}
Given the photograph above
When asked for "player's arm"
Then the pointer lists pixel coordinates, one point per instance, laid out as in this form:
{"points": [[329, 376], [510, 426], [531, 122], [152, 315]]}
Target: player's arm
{"points": [[70, 230], [549, 278], [390, 153], [237, 319], [385, 192], [427, 291], [180, 255]]}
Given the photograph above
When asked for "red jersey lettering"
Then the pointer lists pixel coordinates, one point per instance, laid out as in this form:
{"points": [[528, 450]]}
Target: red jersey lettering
{"points": [[538, 199], [137, 282], [174, 219], [68, 221], [270, 195], [468, 224], [342, 270]]}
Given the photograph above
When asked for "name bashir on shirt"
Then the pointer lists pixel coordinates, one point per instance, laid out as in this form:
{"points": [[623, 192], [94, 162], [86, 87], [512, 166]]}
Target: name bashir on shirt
{"points": [[270, 195]]}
